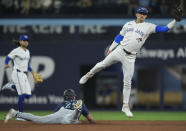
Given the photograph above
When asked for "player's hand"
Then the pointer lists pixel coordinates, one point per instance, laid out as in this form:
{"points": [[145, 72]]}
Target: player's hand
{"points": [[92, 121], [6, 66], [178, 13]]}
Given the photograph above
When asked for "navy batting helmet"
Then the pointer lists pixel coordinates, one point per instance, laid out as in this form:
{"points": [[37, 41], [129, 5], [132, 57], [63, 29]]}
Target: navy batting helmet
{"points": [[69, 94], [142, 10]]}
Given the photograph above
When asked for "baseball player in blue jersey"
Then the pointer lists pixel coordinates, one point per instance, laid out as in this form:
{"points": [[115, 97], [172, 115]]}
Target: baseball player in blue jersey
{"points": [[67, 112], [20, 57], [124, 49]]}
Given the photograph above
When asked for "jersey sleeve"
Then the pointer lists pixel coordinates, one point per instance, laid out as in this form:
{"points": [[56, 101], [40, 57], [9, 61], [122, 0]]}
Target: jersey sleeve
{"points": [[84, 111], [152, 28], [7, 60], [12, 54], [118, 38], [161, 28], [29, 67]]}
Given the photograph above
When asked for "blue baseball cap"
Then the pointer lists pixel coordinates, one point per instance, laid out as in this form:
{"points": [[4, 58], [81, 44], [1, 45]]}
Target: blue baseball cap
{"points": [[142, 10], [24, 37]]}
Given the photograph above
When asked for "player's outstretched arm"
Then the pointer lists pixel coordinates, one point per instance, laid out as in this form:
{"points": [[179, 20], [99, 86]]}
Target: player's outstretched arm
{"points": [[177, 15], [90, 119], [166, 28], [86, 114]]}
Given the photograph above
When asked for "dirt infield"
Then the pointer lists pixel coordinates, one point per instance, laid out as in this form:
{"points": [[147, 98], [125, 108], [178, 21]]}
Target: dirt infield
{"points": [[100, 126]]}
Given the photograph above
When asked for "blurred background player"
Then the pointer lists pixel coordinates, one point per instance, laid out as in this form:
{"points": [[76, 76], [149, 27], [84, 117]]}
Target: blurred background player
{"points": [[124, 49], [20, 57], [67, 112]]}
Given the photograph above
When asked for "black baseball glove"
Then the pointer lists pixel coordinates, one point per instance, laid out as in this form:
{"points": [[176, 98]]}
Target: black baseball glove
{"points": [[178, 13]]}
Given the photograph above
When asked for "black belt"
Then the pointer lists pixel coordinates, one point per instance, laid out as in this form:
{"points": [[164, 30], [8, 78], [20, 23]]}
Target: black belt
{"points": [[21, 71], [127, 52]]}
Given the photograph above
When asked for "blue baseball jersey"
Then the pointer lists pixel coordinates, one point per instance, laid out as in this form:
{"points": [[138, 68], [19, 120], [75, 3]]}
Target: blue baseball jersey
{"points": [[70, 105]]}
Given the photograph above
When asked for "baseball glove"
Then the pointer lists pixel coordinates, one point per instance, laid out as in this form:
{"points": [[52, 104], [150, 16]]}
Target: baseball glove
{"points": [[37, 78], [178, 13]]}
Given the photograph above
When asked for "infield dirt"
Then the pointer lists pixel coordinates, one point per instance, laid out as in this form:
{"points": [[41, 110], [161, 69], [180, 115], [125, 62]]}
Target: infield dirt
{"points": [[14, 125]]}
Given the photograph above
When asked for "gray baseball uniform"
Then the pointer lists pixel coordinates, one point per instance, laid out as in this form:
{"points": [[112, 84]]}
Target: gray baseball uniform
{"points": [[65, 114]]}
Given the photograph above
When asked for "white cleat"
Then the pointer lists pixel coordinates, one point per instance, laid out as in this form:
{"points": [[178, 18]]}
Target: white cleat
{"points": [[85, 78], [20, 119], [11, 114], [127, 111], [78, 105], [8, 86]]}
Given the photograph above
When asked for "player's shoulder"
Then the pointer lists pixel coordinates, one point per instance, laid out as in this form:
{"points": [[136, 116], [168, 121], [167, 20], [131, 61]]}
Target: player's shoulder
{"points": [[149, 24], [16, 49], [19, 49], [129, 23]]}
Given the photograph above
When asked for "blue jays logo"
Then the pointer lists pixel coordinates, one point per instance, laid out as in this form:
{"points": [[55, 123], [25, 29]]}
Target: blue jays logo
{"points": [[139, 40], [26, 37]]}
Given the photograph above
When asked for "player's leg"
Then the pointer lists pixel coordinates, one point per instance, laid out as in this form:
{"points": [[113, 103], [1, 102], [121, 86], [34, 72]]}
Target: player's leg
{"points": [[16, 79], [68, 116], [30, 117], [9, 86], [26, 116], [109, 60], [128, 70], [27, 90], [21, 99], [34, 118], [11, 114], [22, 88], [63, 116]]}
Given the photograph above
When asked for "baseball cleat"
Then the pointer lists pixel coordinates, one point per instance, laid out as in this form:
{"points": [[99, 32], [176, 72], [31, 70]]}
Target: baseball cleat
{"points": [[8, 86], [20, 119], [127, 111], [78, 105], [85, 78], [11, 114]]}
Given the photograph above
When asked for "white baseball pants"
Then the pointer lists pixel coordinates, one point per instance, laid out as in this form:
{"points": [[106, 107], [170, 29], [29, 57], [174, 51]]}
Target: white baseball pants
{"points": [[118, 55], [21, 81]]}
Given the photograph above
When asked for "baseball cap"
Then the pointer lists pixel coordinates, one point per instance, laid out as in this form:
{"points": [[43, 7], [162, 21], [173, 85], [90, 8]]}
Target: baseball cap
{"points": [[23, 37], [142, 10]]}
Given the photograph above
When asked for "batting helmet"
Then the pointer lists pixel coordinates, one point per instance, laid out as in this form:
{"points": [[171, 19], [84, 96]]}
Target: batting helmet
{"points": [[69, 94], [142, 10]]}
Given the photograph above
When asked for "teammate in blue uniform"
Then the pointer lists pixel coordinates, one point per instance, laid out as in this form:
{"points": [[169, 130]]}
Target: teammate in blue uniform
{"points": [[67, 112]]}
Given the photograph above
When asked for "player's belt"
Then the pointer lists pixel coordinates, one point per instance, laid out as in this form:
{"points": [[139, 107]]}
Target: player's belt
{"points": [[127, 52], [21, 71]]}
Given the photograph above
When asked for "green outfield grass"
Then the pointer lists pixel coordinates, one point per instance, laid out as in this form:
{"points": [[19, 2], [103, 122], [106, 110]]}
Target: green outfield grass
{"points": [[118, 115]]}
